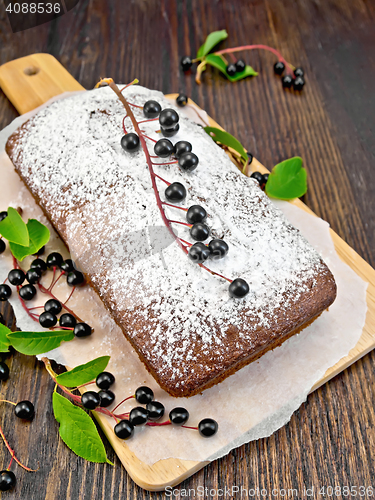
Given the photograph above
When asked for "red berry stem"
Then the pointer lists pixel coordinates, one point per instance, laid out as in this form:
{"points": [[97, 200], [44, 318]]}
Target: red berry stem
{"points": [[161, 178], [149, 120], [174, 162], [70, 295], [174, 206], [179, 222], [123, 401], [289, 67], [123, 124], [186, 242], [12, 452]]}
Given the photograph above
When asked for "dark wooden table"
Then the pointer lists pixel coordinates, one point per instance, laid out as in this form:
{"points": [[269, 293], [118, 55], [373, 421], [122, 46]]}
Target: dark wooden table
{"points": [[330, 440]]}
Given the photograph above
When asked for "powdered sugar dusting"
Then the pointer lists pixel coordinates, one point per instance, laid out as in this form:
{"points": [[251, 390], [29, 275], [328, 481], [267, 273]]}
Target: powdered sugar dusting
{"points": [[179, 314]]}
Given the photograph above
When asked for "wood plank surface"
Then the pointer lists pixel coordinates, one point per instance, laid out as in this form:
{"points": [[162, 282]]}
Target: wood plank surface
{"points": [[329, 441]]}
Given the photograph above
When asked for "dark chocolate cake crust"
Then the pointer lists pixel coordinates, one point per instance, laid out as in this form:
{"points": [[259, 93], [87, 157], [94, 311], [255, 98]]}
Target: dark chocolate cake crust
{"points": [[178, 317]]}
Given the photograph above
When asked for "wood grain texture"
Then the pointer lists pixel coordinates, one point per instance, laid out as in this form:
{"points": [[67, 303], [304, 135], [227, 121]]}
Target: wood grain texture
{"points": [[330, 440]]}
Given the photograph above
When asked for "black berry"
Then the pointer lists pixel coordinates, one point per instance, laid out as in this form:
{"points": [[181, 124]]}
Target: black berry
{"points": [[5, 292], [53, 306], [4, 371], [130, 142], [182, 147], [287, 81], [2, 245], [163, 148], [82, 330], [155, 410], [39, 264], [54, 260], [170, 132], [106, 398], [218, 249], [196, 213], [265, 178], [90, 400], [250, 157], [7, 480], [298, 72], [168, 118], [151, 109], [279, 68], [67, 265], [182, 100], [231, 69], [104, 380], [199, 253], [27, 292], [178, 416], [144, 395], [240, 65], [257, 176], [47, 320], [16, 277], [186, 63], [298, 83], [138, 416], [24, 410], [238, 288], [33, 275], [207, 427], [75, 278], [3, 215], [175, 192], [199, 231], [67, 320], [124, 429], [188, 161]]}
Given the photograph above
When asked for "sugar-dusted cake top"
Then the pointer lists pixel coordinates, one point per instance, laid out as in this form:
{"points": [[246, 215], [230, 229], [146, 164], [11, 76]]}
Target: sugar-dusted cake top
{"points": [[100, 198]]}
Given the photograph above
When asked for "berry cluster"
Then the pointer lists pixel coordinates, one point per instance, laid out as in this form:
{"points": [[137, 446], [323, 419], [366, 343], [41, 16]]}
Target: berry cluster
{"points": [[296, 79], [294, 76], [53, 307], [175, 192], [148, 414], [261, 178]]}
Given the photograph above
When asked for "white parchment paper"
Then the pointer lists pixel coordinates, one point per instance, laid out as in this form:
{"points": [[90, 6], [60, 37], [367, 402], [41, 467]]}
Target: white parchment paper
{"points": [[251, 404]]}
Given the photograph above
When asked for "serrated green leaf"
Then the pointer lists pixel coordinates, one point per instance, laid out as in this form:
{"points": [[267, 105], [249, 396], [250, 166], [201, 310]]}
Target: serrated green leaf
{"points": [[78, 431], [32, 343], [13, 228], [227, 139], [287, 180], [83, 373], [39, 236], [4, 341], [212, 39], [219, 63]]}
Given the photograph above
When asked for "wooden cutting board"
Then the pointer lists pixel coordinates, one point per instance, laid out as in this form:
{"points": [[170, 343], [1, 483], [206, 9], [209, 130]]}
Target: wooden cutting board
{"points": [[30, 81]]}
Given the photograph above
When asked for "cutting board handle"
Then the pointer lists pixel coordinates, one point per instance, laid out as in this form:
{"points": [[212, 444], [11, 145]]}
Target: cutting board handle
{"points": [[30, 81]]}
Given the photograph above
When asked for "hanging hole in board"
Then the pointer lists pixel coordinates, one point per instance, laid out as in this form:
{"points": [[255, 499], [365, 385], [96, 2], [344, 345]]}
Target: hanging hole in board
{"points": [[31, 71]]}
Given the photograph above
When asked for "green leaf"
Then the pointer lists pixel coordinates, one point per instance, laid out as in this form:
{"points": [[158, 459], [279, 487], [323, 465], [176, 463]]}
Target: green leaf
{"points": [[4, 341], [13, 228], [78, 431], [213, 39], [83, 373], [227, 139], [39, 236], [219, 63], [33, 343], [287, 180]]}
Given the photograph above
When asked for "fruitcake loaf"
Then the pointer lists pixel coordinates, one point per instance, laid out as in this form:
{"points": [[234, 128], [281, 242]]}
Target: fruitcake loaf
{"points": [[186, 328]]}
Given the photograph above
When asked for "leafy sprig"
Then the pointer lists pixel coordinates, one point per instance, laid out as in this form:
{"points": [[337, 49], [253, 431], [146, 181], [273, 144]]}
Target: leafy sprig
{"points": [[288, 179], [24, 238], [218, 61]]}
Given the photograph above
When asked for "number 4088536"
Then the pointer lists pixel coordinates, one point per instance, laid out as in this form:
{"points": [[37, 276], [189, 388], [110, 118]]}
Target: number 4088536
{"points": [[34, 8]]}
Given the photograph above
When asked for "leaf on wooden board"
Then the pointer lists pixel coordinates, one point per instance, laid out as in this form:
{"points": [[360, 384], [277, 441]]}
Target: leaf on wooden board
{"points": [[4, 341], [78, 431], [83, 373], [211, 41], [227, 139], [32, 343]]}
